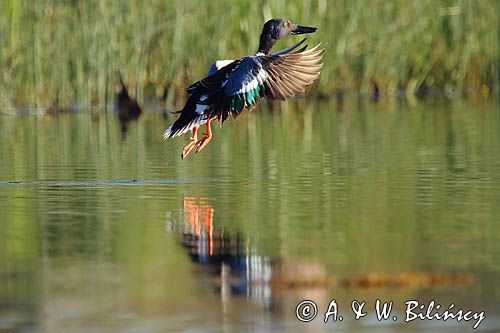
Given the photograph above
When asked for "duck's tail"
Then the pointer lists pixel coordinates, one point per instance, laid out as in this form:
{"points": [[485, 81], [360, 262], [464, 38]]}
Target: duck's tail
{"points": [[190, 117]]}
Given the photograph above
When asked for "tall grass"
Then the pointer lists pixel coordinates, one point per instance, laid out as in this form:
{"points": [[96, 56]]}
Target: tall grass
{"points": [[63, 52]]}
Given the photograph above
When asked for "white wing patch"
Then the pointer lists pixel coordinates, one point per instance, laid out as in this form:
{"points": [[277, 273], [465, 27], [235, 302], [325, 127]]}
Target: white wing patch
{"points": [[244, 77], [254, 82]]}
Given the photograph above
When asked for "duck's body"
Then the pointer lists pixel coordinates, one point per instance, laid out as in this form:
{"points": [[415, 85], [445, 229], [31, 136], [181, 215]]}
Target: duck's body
{"points": [[235, 85]]}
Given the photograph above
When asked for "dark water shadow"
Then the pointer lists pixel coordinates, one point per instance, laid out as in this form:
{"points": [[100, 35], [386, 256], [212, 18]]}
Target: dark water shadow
{"points": [[126, 107]]}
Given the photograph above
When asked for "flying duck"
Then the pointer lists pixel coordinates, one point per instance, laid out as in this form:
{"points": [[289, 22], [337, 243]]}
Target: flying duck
{"points": [[233, 85]]}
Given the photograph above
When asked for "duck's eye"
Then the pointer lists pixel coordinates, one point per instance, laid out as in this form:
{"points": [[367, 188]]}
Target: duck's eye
{"points": [[285, 24]]}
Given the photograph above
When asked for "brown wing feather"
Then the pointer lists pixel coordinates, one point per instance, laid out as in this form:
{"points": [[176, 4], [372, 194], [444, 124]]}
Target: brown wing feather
{"points": [[290, 74]]}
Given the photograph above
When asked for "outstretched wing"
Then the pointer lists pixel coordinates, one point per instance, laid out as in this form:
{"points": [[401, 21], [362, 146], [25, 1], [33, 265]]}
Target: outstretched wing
{"points": [[278, 76], [289, 74], [242, 83]]}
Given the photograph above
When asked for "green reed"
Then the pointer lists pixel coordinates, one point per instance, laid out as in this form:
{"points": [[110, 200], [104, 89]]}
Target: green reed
{"points": [[60, 53]]}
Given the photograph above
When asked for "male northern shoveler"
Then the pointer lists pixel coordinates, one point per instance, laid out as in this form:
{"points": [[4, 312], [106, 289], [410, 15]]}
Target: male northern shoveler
{"points": [[234, 85]]}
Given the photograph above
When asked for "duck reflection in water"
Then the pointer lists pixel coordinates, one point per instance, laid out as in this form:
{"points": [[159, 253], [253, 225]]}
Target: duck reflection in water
{"points": [[235, 266], [233, 263]]}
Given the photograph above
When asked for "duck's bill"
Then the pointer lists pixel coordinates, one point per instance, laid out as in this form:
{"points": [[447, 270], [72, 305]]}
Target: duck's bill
{"points": [[300, 29]]}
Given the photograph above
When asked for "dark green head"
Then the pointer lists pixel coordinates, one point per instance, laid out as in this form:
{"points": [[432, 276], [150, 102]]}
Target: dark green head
{"points": [[277, 28]]}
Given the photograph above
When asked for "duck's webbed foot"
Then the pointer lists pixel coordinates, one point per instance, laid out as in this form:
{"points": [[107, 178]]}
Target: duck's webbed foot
{"points": [[206, 139], [192, 142]]}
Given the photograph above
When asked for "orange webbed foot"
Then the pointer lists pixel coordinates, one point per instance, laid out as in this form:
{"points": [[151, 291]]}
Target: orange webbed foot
{"points": [[192, 143], [187, 149], [202, 143], [206, 139]]}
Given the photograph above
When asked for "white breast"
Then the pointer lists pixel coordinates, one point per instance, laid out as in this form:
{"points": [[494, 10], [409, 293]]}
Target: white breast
{"points": [[218, 65]]}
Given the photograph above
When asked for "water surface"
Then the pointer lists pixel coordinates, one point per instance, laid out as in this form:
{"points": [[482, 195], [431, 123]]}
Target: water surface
{"points": [[105, 230]]}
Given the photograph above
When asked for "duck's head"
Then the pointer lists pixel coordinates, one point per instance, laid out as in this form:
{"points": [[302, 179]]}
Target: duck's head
{"points": [[275, 29]]}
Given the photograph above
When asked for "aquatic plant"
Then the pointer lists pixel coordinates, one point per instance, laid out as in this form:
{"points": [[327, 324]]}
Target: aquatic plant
{"points": [[63, 52]]}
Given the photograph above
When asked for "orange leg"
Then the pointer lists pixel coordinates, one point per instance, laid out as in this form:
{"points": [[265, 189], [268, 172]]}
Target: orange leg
{"points": [[206, 139], [190, 145]]}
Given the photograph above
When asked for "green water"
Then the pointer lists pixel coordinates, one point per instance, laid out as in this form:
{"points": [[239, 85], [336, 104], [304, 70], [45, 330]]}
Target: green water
{"points": [[104, 231]]}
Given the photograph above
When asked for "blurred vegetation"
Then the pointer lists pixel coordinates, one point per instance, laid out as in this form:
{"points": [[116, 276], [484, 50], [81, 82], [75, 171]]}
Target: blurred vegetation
{"points": [[63, 52]]}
